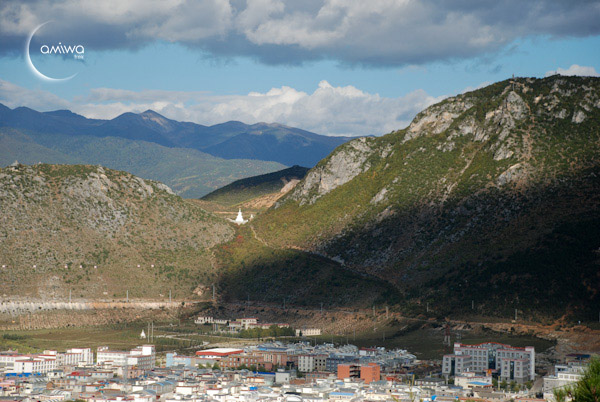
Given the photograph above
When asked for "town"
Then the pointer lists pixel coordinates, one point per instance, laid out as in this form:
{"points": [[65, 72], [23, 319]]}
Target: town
{"points": [[277, 370]]}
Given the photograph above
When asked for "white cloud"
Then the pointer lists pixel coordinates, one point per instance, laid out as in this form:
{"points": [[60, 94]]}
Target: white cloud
{"points": [[328, 110], [575, 69], [373, 32]]}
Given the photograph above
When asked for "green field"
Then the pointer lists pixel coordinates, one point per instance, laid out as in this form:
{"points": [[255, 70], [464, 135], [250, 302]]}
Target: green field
{"points": [[120, 337]]}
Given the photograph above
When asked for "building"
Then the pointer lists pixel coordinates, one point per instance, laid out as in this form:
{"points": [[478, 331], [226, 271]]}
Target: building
{"points": [[366, 372], [218, 353], [333, 361], [312, 362], [564, 374], [513, 363], [72, 357], [40, 364], [141, 357], [348, 371], [456, 364], [279, 358], [241, 359], [515, 370], [370, 372], [201, 320], [308, 332]]}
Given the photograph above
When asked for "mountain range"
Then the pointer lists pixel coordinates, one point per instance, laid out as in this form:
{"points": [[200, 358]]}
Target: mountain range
{"points": [[487, 203], [193, 159], [231, 140]]}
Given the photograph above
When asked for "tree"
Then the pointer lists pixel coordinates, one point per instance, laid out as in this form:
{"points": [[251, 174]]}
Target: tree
{"points": [[215, 366], [585, 390]]}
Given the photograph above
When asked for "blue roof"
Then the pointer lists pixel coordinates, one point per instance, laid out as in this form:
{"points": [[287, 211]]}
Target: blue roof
{"points": [[479, 383], [342, 393]]}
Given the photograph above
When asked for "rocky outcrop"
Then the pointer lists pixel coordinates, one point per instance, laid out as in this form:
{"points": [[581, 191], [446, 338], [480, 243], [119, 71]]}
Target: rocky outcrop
{"points": [[343, 165]]}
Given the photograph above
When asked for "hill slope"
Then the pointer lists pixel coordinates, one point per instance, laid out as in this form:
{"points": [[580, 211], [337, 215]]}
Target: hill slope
{"points": [[492, 196], [244, 190], [99, 233]]}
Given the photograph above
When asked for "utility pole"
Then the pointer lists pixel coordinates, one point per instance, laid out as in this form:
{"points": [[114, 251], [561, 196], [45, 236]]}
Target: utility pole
{"points": [[472, 304], [69, 296], [387, 312], [321, 307], [284, 303], [127, 295], [213, 292], [169, 296], [515, 314], [373, 311]]}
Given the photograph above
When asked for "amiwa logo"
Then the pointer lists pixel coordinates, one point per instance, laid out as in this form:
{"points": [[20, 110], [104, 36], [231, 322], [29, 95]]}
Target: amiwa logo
{"points": [[78, 50], [51, 50]]}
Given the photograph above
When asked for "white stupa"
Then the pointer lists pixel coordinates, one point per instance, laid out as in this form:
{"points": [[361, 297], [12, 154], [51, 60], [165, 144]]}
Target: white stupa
{"points": [[143, 335], [240, 218]]}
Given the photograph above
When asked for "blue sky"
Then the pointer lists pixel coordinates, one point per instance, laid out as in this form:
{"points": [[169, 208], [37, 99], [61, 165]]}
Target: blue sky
{"points": [[356, 68]]}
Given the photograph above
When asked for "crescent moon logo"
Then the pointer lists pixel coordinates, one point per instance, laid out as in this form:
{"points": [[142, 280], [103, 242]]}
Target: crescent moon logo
{"points": [[34, 70]]}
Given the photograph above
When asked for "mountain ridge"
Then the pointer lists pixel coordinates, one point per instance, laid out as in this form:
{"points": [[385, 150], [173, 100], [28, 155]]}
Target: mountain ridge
{"points": [[487, 181], [228, 140]]}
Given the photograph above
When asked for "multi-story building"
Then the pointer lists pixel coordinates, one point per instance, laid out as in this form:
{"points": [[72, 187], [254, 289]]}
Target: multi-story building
{"points": [[242, 359], [348, 371], [40, 364], [312, 362], [515, 370], [370, 372], [141, 357], [456, 364], [7, 359], [279, 358], [116, 358], [333, 361], [519, 363], [564, 374], [366, 372]]}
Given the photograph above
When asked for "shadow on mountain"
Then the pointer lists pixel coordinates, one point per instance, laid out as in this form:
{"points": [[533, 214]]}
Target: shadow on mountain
{"points": [[535, 250], [250, 269]]}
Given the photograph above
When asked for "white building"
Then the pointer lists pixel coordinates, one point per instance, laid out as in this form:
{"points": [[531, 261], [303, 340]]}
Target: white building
{"points": [[308, 332], [456, 364], [7, 359], [40, 364], [513, 363], [201, 320], [563, 376], [142, 357]]}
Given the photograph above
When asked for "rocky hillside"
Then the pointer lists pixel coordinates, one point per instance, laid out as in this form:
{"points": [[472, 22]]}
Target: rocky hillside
{"points": [[100, 232], [490, 197], [244, 190]]}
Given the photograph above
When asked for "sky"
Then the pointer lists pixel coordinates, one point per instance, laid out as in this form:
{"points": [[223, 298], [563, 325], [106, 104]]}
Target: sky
{"points": [[335, 67]]}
